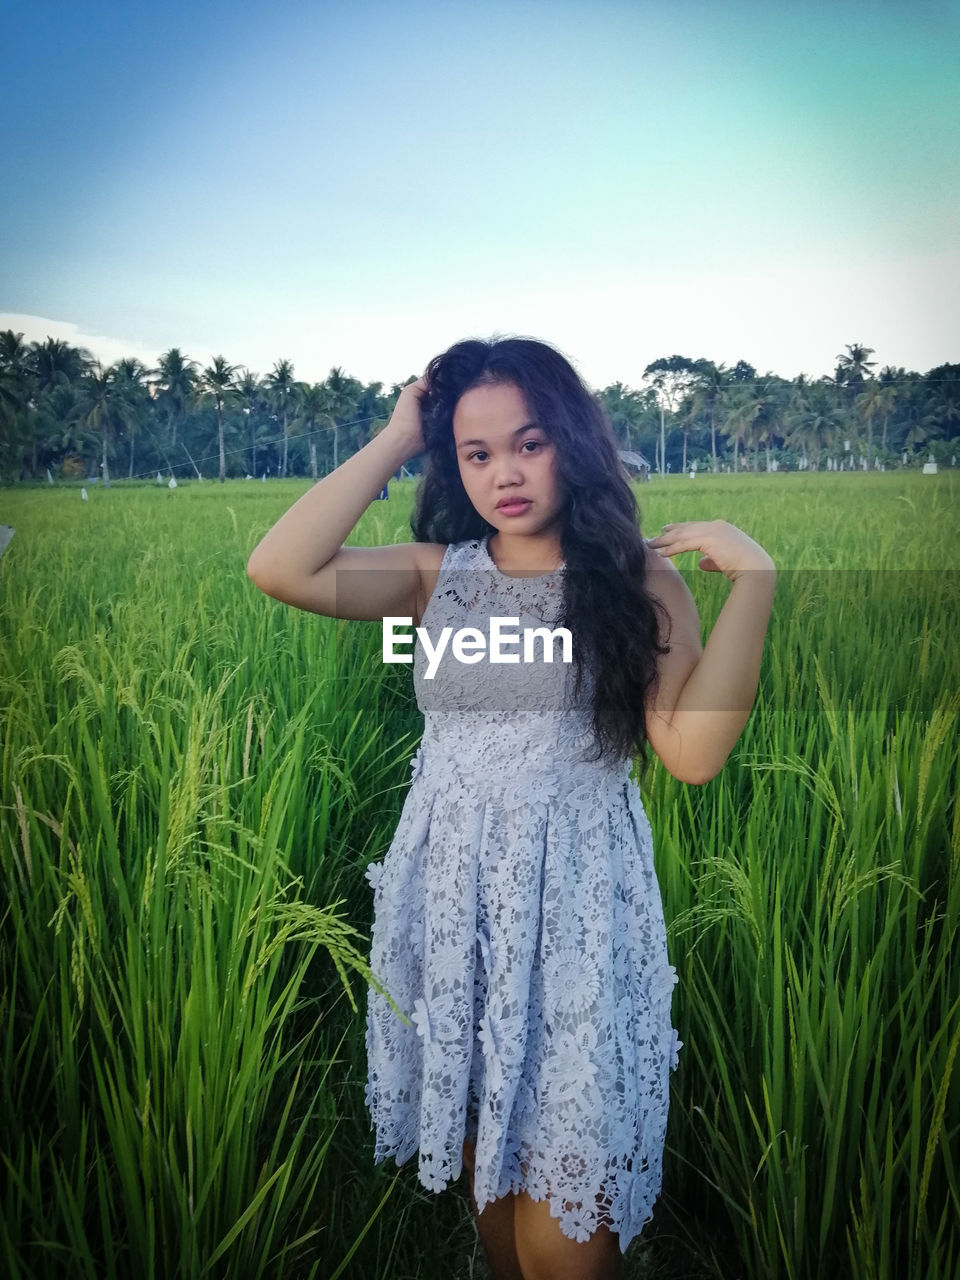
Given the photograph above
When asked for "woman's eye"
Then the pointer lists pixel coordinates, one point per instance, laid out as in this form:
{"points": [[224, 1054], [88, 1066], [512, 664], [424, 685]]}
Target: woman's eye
{"points": [[479, 456], [535, 443]]}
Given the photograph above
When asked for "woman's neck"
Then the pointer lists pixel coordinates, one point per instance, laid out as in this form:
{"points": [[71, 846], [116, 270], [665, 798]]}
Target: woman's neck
{"points": [[526, 553]]}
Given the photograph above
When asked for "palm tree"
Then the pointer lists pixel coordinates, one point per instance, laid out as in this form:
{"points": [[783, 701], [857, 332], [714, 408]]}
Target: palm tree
{"points": [[280, 382], [943, 394], [874, 399], [708, 393], [342, 400], [854, 363], [59, 423], [54, 364], [925, 428], [177, 375], [16, 384], [217, 381], [633, 414], [814, 418], [891, 379], [14, 361], [57, 364], [742, 371], [131, 399], [688, 421], [615, 402], [250, 390], [672, 377], [95, 410], [853, 369], [794, 421], [371, 409], [756, 416], [312, 404]]}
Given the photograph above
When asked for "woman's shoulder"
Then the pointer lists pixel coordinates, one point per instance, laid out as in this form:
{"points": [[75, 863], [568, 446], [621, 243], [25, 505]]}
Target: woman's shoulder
{"points": [[434, 555], [430, 555], [656, 563], [437, 557]]}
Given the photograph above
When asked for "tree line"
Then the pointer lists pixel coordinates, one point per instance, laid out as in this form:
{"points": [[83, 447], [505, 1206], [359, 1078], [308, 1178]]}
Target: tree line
{"points": [[62, 413]]}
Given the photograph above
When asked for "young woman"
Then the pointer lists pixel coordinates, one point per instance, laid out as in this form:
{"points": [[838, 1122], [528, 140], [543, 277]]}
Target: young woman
{"points": [[517, 918]]}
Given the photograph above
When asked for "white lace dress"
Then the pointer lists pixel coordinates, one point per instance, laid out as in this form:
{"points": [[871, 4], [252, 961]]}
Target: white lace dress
{"points": [[518, 924]]}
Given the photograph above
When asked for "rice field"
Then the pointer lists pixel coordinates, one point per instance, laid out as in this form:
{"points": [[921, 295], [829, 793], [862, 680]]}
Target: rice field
{"points": [[194, 779]]}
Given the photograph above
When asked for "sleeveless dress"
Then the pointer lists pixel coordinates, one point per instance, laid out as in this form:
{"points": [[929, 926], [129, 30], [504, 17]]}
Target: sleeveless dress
{"points": [[518, 925]]}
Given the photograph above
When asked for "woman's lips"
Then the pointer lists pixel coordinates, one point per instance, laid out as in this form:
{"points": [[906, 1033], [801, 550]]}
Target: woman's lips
{"points": [[515, 507]]}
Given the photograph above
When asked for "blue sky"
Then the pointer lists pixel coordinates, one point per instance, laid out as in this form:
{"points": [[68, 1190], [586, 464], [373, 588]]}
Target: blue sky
{"points": [[363, 184]]}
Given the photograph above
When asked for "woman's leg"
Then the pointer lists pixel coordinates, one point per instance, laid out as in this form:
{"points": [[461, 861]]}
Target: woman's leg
{"points": [[495, 1227], [545, 1253]]}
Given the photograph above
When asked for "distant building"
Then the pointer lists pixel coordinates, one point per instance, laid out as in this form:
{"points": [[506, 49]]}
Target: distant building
{"points": [[635, 463]]}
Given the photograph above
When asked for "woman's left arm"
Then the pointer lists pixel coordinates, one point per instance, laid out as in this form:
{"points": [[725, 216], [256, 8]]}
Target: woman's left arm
{"points": [[718, 694]]}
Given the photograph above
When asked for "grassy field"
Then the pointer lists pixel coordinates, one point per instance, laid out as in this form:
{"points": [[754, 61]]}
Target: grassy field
{"points": [[194, 779]]}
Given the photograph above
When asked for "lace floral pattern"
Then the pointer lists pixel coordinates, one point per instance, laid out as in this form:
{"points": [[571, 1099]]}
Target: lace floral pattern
{"points": [[518, 924]]}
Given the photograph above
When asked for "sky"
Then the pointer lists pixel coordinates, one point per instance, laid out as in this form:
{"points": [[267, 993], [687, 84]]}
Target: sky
{"points": [[360, 185]]}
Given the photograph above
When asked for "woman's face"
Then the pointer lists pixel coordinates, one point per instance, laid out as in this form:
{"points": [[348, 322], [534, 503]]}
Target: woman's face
{"points": [[507, 462]]}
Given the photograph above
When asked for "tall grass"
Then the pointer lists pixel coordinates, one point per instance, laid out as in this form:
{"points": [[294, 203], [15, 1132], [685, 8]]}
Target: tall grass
{"points": [[180, 824], [812, 893], [194, 779]]}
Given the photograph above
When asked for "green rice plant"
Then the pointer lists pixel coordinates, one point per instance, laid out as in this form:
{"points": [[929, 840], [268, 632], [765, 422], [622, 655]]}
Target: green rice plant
{"points": [[168, 976], [194, 778], [815, 932], [173, 971]]}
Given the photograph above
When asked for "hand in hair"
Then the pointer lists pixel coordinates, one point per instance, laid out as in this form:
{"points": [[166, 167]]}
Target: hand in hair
{"points": [[406, 423]]}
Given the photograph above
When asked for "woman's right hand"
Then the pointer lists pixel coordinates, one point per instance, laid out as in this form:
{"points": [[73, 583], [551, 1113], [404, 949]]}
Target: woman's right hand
{"points": [[405, 421]]}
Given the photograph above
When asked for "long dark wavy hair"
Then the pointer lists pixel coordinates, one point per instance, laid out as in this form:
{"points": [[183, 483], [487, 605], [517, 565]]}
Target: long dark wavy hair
{"points": [[613, 619]]}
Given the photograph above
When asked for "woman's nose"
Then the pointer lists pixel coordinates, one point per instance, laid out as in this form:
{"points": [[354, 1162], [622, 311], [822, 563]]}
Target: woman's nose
{"points": [[509, 471]]}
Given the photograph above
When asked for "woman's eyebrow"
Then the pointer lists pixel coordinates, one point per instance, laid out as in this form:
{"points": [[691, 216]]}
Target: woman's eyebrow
{"points": [[527, 426]]}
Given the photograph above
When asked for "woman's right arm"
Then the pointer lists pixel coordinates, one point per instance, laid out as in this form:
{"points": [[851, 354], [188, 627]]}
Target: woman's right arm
{"points": [[302, 560]]}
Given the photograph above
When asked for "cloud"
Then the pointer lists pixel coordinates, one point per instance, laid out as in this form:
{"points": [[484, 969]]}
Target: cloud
{"points": [[102, 346]]}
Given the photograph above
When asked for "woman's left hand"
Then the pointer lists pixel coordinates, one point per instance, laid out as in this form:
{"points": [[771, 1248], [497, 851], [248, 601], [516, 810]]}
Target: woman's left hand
{"points": [[726, 549]]}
